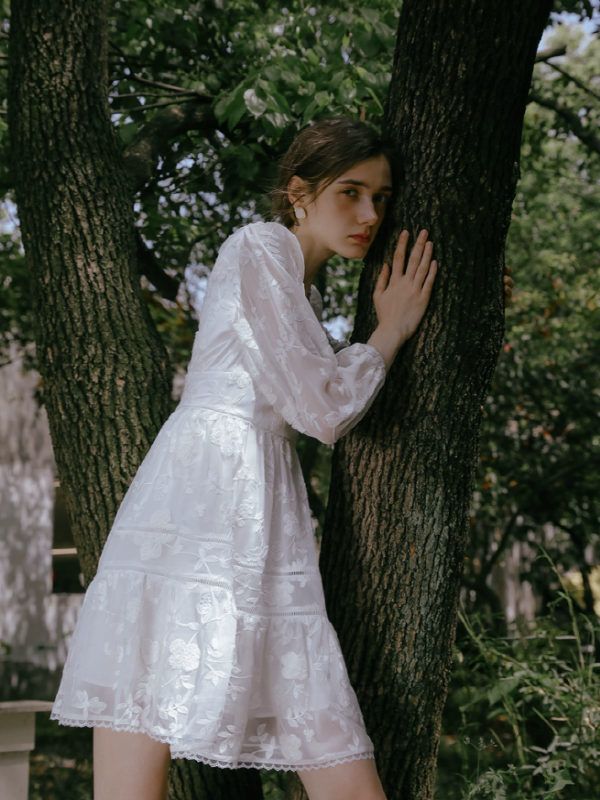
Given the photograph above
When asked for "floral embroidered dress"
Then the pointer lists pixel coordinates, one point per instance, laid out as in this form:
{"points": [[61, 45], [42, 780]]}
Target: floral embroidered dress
{"points": [[205, 625]]}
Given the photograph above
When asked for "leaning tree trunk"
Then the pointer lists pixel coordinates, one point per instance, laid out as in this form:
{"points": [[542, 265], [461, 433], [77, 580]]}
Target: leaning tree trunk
{"points": [[106, 375], [402, 480]]}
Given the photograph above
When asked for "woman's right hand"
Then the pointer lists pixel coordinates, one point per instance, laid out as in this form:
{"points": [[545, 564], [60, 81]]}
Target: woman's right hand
{"points": [[401, 298]]}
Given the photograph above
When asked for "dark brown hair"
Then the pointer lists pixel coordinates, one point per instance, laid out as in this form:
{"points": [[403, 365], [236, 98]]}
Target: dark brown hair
{"points": [[320, 154]]}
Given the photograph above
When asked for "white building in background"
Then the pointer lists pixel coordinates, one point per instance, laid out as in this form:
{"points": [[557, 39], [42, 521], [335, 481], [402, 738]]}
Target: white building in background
{"points": [[35, 621]]}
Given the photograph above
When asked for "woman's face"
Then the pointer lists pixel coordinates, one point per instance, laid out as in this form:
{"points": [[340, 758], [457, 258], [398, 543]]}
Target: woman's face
{"points": [[346, 215]]}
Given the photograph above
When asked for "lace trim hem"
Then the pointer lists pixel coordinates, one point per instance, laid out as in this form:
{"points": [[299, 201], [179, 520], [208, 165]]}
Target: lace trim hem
{"points": [[331, 761]]}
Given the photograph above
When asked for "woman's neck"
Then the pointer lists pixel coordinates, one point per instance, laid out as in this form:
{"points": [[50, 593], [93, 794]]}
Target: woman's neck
{"points": [[315, 255]]}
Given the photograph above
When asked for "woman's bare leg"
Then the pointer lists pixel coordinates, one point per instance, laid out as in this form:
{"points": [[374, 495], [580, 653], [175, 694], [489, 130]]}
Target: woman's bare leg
{"points": [[129, 766], [355, 780]]}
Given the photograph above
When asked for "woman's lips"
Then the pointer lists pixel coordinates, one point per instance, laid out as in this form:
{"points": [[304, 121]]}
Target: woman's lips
{"points": [[361, 239]]}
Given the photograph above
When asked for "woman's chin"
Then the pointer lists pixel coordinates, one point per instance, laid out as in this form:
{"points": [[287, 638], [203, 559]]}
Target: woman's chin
{"points": [[353, 249]]}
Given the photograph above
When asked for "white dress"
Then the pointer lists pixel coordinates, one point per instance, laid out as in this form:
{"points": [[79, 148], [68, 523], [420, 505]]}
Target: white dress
{"points": [[205, 625]]}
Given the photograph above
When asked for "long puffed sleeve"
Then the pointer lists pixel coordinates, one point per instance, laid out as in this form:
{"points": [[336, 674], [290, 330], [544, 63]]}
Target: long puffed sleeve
{"points": [[317, 391]]}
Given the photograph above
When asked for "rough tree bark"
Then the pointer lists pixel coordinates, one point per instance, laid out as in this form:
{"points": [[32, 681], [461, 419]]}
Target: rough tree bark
{"points": [[106, 375], [402, 480]]}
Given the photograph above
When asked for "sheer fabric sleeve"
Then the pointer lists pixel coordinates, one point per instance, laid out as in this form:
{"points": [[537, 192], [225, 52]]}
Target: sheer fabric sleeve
{"points": [[317, 391]]}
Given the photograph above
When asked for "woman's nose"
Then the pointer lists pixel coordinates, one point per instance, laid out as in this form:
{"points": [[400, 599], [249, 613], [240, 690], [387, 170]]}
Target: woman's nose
{"points": [[367, 214]]}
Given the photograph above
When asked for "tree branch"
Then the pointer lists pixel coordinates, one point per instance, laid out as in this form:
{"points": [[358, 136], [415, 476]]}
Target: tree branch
{"points": [[147, 107], [127, 95], [552, 53], [142, 153], [576, 81], [148, 265], [570, 117]]}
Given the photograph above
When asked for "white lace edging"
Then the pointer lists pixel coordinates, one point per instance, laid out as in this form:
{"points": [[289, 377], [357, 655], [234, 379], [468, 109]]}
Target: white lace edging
{"points": [[332, 761]]}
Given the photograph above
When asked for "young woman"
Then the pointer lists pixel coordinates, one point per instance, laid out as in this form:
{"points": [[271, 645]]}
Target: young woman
{"points": [[204, 633]]}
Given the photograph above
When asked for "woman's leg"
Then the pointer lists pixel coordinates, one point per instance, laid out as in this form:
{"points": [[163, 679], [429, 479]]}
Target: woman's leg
{"points": [[355, 780], [129, 766]]}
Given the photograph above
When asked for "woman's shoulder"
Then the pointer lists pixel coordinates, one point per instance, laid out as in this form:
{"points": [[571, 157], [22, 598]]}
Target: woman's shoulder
{"points": [[272, 237], [264, 231]]}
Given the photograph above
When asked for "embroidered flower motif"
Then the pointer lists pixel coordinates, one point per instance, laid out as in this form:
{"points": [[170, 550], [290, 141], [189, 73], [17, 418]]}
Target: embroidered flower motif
{"points": [[264, 738], [238, 376], [268, 393], [232, 737], [294, 666], [184, 655], [185, 449], [226, 432], [276, 551], [134, 606], [204, 608], [290, 746], [278, 594], [292, 526], [200, 509], [250, 622], [151, 543], [100, 595], [130, 709], [93, 705], [244, 331], [162, 518], [160, 488]]}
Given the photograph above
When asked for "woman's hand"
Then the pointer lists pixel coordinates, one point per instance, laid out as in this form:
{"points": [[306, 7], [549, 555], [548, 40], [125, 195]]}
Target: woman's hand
{"points": [[401, 297], [508, 286]]}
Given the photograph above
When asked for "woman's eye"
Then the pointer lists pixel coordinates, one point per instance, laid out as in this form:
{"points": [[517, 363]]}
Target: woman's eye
{"points": [[349, 191], [382, 198]]}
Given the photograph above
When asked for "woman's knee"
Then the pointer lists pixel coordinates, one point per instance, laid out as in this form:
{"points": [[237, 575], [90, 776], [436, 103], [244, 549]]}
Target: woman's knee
{"points": [[355, 780]]}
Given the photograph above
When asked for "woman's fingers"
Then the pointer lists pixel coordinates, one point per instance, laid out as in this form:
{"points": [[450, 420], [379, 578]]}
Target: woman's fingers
{"points": [[428, 284], [416, 254], [423, 267], [400, 253]]}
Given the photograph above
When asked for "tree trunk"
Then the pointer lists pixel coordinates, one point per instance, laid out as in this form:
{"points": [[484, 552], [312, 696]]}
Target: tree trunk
{"points": [[106, 374], [402, 480]]}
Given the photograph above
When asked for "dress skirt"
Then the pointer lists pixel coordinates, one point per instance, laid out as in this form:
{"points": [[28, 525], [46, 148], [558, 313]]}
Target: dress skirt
{"points": [[205, 626]]}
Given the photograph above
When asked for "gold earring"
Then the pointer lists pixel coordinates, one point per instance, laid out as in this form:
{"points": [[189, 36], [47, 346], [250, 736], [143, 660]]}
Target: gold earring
{"points": [[300, 213]]}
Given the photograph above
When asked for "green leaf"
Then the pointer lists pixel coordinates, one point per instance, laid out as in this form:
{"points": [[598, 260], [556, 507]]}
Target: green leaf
{"points": [[276, 122], [236, 110], [367, 77], [322, 99], [273, 73], [370, 14], [367, 42], [312, 57], [347, 18], [502, 689], [335, 81], [384, 33], [346, 92], [255, 105], [127, 132]]}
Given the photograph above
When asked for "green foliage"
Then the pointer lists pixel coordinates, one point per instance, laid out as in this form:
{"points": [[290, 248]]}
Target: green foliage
{"points": [[523, 715]]}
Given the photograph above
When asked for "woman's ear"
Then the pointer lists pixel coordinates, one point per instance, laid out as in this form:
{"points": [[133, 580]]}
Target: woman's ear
{"points": [[296, 188]]}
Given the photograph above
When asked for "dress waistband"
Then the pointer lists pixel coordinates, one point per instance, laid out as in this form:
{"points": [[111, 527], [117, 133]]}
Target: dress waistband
{"points": [[232, 393]]}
